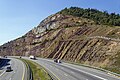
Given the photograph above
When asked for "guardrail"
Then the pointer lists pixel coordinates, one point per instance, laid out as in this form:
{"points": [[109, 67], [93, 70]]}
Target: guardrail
{"points": [[50, 73], [52, 76], [29, 71]]}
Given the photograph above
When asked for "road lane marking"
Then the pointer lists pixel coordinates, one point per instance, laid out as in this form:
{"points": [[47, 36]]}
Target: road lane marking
{"points": [[2, 73], [23, 72], [50, 71], [90, 74], [65, 74]]}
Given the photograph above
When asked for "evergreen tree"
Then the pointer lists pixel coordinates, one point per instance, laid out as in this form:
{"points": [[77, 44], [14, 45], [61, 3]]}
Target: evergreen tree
{"points": [[94, 14]]}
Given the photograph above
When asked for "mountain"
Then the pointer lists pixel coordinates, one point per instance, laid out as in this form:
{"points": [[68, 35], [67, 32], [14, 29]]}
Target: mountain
{"points": [[71, 38]]}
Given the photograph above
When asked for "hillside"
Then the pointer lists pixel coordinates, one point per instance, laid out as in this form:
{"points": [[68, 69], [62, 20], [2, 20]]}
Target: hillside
{"points": [[99, 17], [70, 38]]}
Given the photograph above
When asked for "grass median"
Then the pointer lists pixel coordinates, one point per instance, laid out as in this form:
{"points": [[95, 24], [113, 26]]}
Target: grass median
{"points": [[39, 73]]}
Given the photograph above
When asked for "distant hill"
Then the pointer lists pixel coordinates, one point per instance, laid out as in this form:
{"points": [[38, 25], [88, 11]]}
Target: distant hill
{"points": [[98, 16], [69, 36]]}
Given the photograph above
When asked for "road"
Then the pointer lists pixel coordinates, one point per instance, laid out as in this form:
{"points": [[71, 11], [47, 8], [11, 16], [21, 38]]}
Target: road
{"points": [[18, 70], [106, 38], [66, 71]]}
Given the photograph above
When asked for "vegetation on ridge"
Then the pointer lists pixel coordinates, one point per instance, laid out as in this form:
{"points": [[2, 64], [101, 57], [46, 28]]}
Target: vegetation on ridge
{"points": [[98, 16]]}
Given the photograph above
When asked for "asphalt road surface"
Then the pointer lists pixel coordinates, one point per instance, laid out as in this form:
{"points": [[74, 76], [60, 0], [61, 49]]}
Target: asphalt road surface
{"points": [[18, 69], [65, 71]]}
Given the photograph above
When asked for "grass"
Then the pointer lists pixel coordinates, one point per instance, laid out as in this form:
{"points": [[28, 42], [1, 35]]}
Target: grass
{"points": [[113, 69], [39, 72]]}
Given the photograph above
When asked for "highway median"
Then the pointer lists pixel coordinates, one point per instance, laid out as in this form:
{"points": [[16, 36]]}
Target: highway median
{"points": [[35, 71]]}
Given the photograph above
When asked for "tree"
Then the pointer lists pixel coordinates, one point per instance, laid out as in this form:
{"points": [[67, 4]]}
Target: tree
{"points": [[94, 14]]}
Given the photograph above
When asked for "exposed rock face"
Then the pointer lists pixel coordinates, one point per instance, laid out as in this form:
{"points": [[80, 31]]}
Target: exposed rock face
{"points": [[68, 38]]}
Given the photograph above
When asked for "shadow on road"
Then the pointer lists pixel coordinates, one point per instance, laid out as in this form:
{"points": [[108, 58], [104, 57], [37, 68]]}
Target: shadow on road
{"points": [[4, 62]]}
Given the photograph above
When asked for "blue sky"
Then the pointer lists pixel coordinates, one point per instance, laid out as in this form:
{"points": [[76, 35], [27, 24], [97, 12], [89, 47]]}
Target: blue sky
{"points": [[17, 17]]}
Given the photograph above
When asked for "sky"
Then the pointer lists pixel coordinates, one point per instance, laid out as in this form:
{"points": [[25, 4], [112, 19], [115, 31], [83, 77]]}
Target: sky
{"points": [[17, 17]]}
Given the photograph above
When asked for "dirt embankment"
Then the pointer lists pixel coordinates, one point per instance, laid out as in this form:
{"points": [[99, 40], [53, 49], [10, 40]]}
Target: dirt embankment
{"points": [[69, 38]]}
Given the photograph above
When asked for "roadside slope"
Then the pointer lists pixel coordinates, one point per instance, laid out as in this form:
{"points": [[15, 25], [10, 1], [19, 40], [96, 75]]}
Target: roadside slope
{"points": [[70, 38]]}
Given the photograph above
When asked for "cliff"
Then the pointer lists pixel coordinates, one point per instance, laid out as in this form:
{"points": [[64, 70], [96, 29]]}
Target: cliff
{"points": [[69, 38]]}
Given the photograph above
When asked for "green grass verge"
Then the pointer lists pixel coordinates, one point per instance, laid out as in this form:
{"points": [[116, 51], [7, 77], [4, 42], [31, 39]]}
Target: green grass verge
{"points": [[39, 72]]}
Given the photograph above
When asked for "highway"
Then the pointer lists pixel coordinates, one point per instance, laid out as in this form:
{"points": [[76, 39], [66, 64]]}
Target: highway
{"points": [[66, 71], [18, 69]]}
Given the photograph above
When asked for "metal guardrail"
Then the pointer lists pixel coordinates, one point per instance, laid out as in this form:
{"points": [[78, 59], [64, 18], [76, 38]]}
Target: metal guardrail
{"points": [[51, 75], [29, 71]]}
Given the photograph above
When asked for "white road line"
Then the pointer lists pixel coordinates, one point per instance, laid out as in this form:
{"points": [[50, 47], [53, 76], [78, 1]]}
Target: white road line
{"points": [[50, 71], [23, 71], [2, 73], [65, 74], [90, 74]]}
